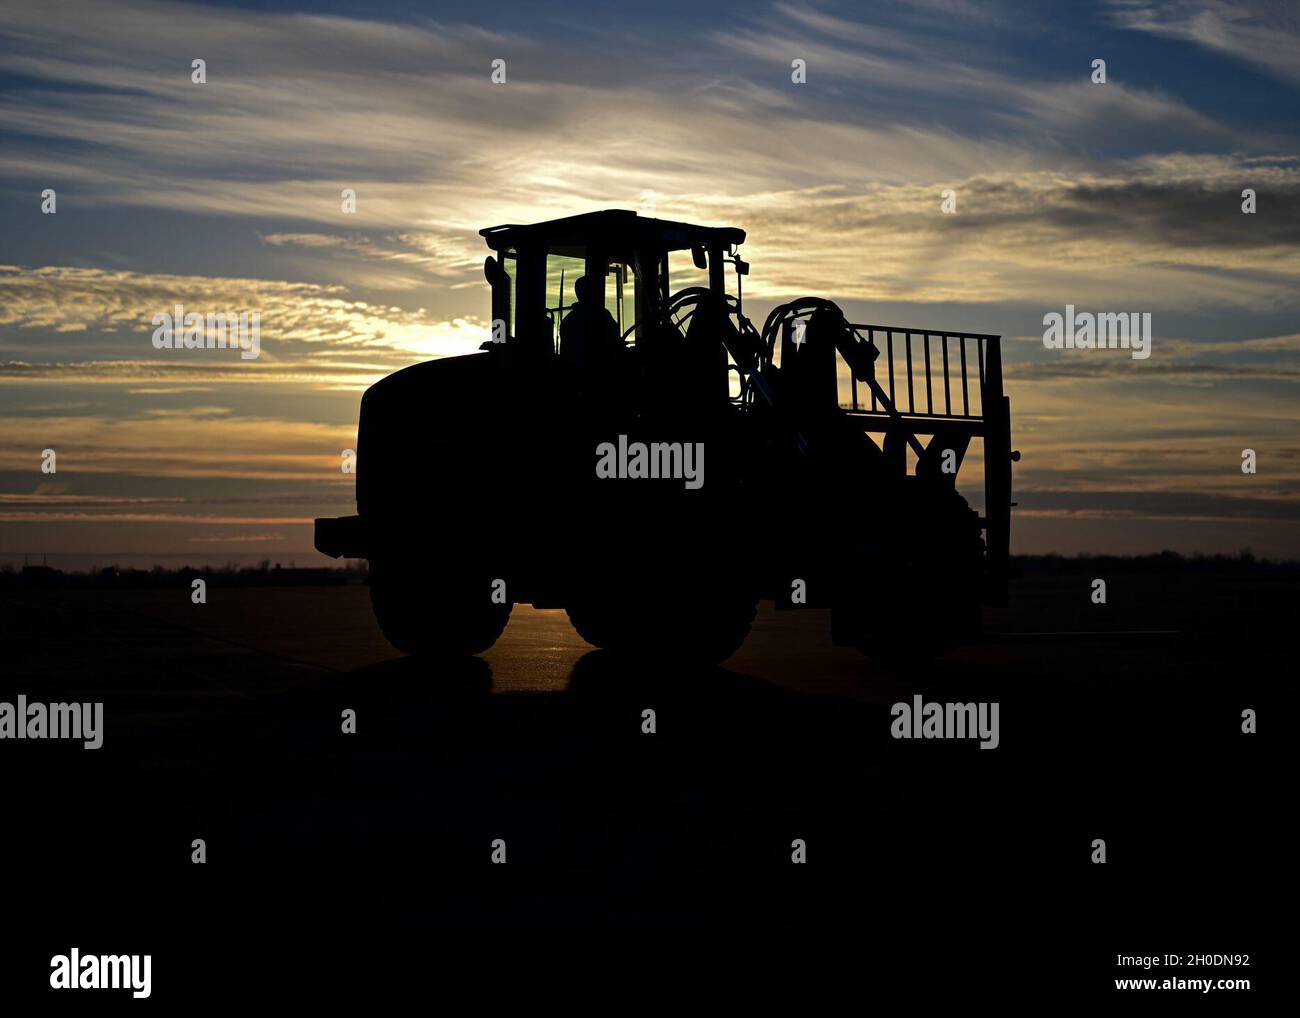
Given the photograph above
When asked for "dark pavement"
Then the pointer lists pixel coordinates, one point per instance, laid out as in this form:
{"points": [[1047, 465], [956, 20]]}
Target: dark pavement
{"points": [[224, 723]]}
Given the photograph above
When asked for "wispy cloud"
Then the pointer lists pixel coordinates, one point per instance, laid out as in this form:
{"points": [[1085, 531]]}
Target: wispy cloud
{"points": [[296, 318], [1122, 197], [1264, 35], [181, 446]]}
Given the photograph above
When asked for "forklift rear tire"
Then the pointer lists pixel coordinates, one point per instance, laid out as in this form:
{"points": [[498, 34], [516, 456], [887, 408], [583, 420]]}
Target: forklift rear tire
{"points": [[425, 615]]}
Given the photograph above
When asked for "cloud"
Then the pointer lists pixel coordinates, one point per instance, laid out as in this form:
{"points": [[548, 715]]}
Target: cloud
{"points": [[837, 184], [415, 125], [61, 516], [119, 372], [1155, 505], [1153, 233], [247, 447], [1263, 35], [1080, 365], [409, 261], [235, 539], [164, 390], [299, 320], [80, 501], [1114, 198]]}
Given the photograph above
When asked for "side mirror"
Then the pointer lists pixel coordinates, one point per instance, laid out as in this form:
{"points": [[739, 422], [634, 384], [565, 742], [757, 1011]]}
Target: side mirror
{"points": [[492, 270], [742, 266], [697, 256]]}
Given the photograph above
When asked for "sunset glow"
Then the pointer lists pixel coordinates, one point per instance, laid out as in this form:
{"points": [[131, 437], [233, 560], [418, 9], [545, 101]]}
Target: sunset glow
{"points": [[1118, 197]]}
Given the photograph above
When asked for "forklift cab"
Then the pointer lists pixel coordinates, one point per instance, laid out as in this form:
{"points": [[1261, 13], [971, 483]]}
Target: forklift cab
{"points": [[628, 261]]}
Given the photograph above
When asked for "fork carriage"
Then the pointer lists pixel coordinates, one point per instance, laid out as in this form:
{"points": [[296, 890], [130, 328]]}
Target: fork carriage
{"points": [[954, 426]]}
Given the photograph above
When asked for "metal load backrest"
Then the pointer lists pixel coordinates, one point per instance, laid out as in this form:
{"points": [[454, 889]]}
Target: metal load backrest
{"points": [[947, 385]]}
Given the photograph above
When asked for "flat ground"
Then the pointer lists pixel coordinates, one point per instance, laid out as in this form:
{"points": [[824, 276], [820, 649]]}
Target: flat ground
{"points": [[223, 723]]}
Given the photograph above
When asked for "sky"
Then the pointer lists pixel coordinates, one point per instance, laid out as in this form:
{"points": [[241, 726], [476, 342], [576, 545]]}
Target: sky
{"points": [[1122, 196]]}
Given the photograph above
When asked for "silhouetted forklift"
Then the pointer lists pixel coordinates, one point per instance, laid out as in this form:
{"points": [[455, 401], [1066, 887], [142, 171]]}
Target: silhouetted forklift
{"points": [[478, 487]]}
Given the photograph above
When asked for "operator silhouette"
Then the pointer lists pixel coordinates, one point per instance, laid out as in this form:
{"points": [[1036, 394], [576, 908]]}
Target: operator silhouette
{"points": [[589, 335]]}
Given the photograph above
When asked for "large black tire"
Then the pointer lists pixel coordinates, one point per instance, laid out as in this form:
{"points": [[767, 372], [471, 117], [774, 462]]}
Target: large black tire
{"points": [[424, 615], [702, 632], [918, 625], [928, 600]]}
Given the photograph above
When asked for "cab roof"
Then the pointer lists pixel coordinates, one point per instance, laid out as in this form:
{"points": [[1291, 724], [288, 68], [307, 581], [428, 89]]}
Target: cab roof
{"points": [[611, 229]]}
